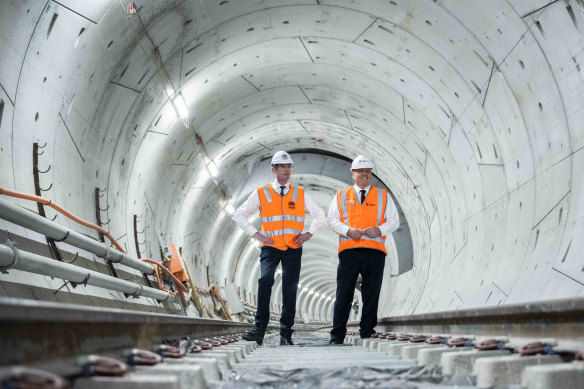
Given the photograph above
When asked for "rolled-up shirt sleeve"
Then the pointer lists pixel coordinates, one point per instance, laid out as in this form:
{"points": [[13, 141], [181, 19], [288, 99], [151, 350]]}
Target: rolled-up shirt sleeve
{"points": [[249, 206], [333, 219], [316, 212], [391, 218]]}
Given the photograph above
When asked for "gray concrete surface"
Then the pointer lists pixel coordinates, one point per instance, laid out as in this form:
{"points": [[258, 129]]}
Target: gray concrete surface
{"points": [[463, 361], [507, 370], [560, 376]]}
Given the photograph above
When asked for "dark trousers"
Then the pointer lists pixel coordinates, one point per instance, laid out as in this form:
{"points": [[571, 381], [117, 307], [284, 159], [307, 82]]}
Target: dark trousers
{"points": [[269, 260], [352, 262]]}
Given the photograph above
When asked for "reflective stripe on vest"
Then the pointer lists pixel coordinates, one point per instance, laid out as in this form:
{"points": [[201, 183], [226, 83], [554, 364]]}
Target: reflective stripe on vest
{"points": [[355, 215], [282, 216], [282, 232]]}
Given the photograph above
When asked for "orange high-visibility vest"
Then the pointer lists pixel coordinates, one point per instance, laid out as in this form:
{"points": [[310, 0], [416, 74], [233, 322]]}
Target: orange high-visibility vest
{"points": [[282, 217], [369, 214]]}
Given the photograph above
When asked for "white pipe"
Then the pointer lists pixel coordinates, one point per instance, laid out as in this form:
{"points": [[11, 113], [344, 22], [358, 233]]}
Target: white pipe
{"points": [[37, 223], [12, 258]]}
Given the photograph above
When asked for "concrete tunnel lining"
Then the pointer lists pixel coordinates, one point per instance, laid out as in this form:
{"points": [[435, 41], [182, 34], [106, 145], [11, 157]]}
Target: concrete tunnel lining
{"points": [[477, 107]]}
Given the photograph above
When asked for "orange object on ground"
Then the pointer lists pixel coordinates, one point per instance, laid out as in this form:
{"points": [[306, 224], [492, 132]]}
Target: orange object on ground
{"points": [[175, 264]]}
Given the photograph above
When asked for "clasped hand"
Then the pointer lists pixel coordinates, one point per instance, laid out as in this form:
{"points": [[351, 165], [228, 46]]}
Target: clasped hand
{"points": [[357, 233]]}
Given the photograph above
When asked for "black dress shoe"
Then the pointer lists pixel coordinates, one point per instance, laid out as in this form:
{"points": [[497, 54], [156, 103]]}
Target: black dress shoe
{"points": [[255, 335], [286, 338], [286, 341], [336, 341], [369, 335]]}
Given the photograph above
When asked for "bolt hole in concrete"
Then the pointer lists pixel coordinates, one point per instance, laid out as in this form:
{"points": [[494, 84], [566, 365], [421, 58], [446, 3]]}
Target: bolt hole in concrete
{"points": [[313, 363]]}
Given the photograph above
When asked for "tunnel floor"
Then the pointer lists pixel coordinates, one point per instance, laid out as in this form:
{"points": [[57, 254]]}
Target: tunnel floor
{"points": [[313, 363]]}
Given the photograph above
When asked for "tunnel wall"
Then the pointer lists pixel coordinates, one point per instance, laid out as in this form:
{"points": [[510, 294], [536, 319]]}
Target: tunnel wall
{"points": [[472, 114]]}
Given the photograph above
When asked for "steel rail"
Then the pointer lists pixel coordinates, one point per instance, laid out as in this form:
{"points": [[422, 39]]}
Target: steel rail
{"points": [[561, 319], [24, 218], [33, 331]]}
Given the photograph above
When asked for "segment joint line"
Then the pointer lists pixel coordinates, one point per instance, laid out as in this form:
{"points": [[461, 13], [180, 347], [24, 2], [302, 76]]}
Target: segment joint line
{"points": [[304, 93], [72, 139], [551, 209], [250, 83], [365, 30], [307, 52], [498, 287]]}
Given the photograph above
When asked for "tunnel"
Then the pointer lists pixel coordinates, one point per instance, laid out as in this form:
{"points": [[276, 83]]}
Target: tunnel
{"points": [[155, 120]]}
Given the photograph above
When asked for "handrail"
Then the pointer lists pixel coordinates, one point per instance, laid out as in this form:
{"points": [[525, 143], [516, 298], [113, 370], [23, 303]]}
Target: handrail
{"points": [[13, 258], [32, 221], [58, 208], [108, 255]]}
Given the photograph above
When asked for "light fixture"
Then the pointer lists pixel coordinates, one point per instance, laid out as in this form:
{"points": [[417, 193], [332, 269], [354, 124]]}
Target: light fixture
{"points": [[317, 294], [305, 289], [299, 285], [279, 271], [229, 208], [256, 243], [181, 108]]}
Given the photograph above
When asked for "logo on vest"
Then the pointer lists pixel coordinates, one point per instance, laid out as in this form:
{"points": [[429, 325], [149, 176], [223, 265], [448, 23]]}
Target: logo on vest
{"points": [[292, 205], [370, 205]]}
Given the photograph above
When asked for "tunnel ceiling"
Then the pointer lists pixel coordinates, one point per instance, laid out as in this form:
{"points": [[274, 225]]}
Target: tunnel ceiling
{"points": [[471, 111]]}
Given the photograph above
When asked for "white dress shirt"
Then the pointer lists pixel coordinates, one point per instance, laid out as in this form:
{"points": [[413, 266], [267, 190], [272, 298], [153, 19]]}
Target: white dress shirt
{"points": [[391, 215], [252, 204]]}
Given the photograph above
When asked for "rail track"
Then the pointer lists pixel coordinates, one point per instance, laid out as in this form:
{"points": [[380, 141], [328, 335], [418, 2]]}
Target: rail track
{"points": [[60, 339]]}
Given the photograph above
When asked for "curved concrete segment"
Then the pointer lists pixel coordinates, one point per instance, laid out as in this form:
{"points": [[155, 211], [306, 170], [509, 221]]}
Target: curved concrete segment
{"points": [[471, 112]]}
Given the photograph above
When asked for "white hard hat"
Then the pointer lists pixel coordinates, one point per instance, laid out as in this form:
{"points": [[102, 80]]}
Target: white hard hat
{"points": [[282, 157], [361, 162]]}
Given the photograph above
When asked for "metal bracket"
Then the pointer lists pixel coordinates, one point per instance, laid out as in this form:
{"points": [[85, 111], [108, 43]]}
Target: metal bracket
{"points": [[12, 245], [84, 282], [139, 292], [63, 238], [107, 256]]}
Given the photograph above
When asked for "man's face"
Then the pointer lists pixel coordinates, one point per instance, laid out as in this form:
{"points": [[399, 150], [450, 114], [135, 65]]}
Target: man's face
{"points": [[282, 172], [362, 177]]}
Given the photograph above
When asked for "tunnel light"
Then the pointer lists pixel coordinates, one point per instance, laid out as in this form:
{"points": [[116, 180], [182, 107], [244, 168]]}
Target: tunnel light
{"points": [[229, 208], [279, 271], [317, 294], [213, 169], [299, 285], [211, 166], [181, 108], [305, 289], [256, 243], [311, 292]]}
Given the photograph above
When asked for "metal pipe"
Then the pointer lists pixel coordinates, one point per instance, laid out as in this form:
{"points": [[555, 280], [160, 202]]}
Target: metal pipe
{"points": [[12, 258], [34, 222]]}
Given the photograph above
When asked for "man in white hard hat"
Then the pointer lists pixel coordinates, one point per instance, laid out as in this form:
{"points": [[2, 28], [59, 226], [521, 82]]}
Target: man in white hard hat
{"points": [[363, 216], [282, 209]]}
